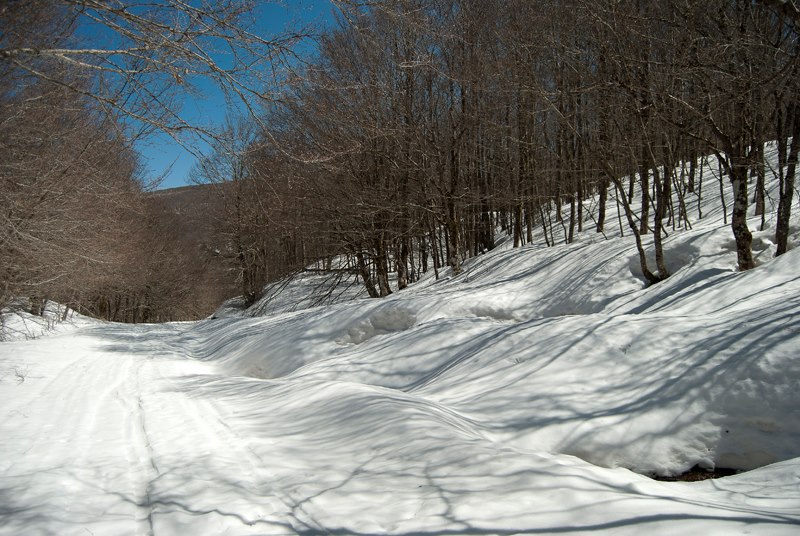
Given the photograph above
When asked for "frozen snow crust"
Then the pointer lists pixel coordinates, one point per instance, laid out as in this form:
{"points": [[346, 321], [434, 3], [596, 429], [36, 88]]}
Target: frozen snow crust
{"points": [[522, 396]]}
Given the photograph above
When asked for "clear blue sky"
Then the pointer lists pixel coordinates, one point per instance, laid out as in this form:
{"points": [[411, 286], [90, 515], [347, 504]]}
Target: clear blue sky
{"points": [[161, 154]]}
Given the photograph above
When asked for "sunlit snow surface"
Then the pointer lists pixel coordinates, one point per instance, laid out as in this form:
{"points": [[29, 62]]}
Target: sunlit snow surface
{"points": [[517, 397]]}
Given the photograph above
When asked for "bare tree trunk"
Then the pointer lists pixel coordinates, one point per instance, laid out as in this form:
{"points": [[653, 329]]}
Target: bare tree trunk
{"points": [[741, 232], [662, 192], [529, 223], [364, 270], [759, 197], [402, 263], [572, 218], [722, 192], [601, 208], [517, 225], [648, 275], [382, 267], [423, 254], [644, 178], [453, 238], [544, 226], [787, 188]]}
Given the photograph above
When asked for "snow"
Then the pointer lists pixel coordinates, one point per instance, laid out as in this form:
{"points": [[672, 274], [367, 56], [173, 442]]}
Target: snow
{"points": [[16, 323], [532, 394], [301, 290]]}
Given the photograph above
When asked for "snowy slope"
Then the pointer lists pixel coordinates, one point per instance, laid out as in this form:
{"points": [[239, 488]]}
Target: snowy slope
{"points": [[518, 397], [16, 323]]}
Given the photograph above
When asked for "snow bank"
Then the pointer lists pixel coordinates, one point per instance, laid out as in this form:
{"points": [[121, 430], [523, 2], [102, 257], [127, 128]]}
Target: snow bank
{"points": [[565, 350], [684, 374], [16, 323], [297, 292]]}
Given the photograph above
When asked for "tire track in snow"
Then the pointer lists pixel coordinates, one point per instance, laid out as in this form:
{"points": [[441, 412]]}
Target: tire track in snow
{"points": [[142, 469], [85, 445]]}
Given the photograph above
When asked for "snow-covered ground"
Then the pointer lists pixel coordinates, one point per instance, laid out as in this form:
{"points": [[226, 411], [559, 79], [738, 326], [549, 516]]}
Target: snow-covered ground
{"points": [[531, 394], [17, 324]]}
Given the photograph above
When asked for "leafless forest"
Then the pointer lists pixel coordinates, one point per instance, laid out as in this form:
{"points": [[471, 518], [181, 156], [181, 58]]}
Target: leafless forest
{"points": [[413, 132]]}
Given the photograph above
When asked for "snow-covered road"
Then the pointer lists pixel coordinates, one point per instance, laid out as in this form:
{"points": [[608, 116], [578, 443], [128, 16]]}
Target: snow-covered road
{"points": [[75, 441], [100, 434]]}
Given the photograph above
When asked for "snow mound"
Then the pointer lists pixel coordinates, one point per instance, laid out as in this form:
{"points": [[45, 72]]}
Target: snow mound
{"points": [[565, 350], [384, 320]]}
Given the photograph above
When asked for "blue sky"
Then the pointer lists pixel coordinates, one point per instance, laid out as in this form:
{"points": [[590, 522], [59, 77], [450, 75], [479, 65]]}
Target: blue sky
{"points": [[161, 154]]}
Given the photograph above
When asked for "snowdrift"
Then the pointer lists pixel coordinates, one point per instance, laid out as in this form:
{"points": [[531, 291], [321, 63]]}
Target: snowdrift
{"points": [[565, 349]]}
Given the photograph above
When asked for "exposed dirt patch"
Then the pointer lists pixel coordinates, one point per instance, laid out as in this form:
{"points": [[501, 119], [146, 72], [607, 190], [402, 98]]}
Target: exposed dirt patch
{"points": [[696, 474]]}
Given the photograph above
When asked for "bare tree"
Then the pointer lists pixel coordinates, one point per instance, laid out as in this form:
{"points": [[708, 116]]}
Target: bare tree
{"points": [[423, 125], [79, 81], [144, 57]]}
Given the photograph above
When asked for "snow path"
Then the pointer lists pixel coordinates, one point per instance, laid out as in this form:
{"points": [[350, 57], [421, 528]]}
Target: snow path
{"points": [[84, 448], [118, 430], [96, 435]]}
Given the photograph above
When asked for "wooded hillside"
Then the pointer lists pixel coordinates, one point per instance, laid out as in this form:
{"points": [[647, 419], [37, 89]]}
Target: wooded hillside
{"points": [[422, 128]]}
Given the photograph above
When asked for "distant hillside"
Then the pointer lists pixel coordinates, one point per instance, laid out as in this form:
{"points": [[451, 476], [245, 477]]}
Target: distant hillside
{"points": [[190, 213], [194, 205]]}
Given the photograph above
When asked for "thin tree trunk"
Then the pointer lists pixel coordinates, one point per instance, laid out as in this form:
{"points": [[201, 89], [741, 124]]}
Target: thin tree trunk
{"points": [[644, 177], [572, 218], [517, 225], [722, 192], [648, 275], [760, 192], [741, 232], [529, 223], [601, 209], [382, 267], [787, 188], [364, 270], [662, 189], [402, 264]]}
